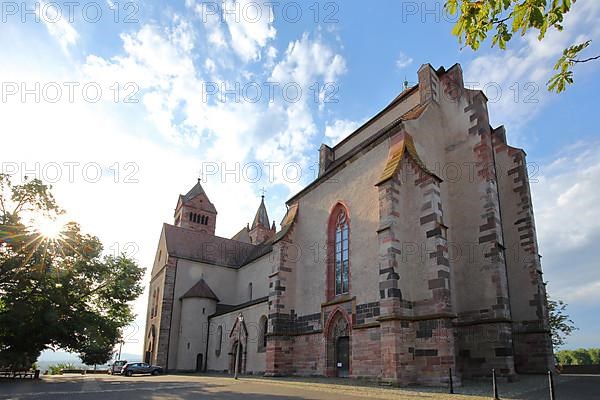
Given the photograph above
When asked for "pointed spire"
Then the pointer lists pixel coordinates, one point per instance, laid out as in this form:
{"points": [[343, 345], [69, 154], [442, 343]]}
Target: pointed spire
{"points": [[195, 191], [261, 217]]}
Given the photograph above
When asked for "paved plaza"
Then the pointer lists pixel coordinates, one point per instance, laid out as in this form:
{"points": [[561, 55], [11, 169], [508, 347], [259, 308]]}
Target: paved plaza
{"points": [[181, 387]]}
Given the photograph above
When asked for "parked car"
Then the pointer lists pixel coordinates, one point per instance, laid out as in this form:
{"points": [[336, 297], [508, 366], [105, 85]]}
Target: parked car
{"points": [[116, 367], [141, 368]]}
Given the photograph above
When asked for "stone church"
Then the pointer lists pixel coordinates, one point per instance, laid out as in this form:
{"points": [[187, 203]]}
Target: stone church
{"points": [[413, 252]]}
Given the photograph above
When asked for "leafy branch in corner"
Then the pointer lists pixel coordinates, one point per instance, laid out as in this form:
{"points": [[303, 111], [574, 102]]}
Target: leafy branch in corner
{"points": [[505, 18]]}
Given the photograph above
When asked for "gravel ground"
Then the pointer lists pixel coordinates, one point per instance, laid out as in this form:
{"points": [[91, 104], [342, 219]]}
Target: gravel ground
{"points": [[220, 387], [526, 387]]}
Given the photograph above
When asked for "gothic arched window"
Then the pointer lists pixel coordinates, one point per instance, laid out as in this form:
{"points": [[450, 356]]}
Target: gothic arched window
{"points": [[262, 334], [338, 254], [153, 303], [206, 220], [341, 254], [157, 301], [219, 340]]}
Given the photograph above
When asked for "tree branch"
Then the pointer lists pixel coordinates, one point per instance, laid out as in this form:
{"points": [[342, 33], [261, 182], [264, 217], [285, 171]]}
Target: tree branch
{"points": [[584, 60]]}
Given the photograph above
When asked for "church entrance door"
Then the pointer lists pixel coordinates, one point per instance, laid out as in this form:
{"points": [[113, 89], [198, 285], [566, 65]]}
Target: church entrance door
{"points": [[232, 355], [199, 362], [342, 356]]}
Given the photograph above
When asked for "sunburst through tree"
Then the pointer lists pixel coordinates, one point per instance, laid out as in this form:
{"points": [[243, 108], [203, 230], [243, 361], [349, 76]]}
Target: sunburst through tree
{"points": [[57, 289]]}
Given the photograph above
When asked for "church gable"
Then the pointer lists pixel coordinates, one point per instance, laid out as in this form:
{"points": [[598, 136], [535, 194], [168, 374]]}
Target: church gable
{"points": [[402, 145]]}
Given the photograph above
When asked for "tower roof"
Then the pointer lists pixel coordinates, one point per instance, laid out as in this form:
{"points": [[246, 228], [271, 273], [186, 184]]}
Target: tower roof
{"points": [[261, 217], [195, 191], [202, 290]]}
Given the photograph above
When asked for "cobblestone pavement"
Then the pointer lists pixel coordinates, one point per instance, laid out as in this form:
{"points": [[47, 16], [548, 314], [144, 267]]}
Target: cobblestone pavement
{"points": [[181, 387]]}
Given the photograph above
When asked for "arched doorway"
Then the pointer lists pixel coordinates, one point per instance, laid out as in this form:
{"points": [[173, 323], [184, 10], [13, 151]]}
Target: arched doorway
{"points": [[232, 356], [199, 362], [148, 357], [339, 349]]}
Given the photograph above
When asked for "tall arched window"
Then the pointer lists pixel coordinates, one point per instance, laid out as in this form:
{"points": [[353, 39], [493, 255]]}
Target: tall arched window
{"points": [[338, 254], [157, 301], [250, 291], [219, 340], [153, 303], [341, 254], [262, 334]]}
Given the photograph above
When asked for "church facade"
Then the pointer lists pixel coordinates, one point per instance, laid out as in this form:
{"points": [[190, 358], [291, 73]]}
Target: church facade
{"points": [[413, 252]]}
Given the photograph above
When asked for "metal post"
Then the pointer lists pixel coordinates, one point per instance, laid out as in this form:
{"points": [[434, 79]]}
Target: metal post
{"points": [[495, 385], [450, 381], [239, 347], [551, 385]]}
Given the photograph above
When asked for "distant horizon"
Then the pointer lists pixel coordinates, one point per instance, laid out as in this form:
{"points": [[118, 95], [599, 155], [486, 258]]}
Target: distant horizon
{"points": [[51, 356]]}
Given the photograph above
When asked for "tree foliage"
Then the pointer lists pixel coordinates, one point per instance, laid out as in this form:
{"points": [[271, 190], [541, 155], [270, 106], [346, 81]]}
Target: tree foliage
{"points": [[502, 19], [56, 369], [579, 357], [57, 292], [561, 324]]}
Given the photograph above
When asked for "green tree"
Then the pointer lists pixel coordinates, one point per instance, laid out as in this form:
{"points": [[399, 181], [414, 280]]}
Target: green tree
{"points": [[595, 355], [582, 357], [56, 369], [565, 357], [56, 291], [99, 344], [561, 324], [502, 19], [579, 356]]}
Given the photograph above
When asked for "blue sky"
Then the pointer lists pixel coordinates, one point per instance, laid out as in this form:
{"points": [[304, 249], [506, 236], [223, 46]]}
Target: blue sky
{"points": [[349, 61]]}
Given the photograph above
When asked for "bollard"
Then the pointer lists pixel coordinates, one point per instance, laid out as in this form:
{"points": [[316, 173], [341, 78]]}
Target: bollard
{"points": [[551, 385], [495, 385], [450, 381]]}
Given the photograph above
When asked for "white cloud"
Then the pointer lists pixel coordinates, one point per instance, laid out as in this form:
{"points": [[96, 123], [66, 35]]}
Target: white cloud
{"points": [[403, 61], [339, 130], [306, 61], [250, 25], [567, 194], [210, 66], [57, 25], [172, 129], [244, 27], [566, 197]]}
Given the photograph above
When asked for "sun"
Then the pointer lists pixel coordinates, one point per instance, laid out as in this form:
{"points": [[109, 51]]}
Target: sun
{"points": [[50, 228]]}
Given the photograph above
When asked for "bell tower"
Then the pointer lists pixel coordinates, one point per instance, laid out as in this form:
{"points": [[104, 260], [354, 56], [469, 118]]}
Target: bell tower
{"points": [[195, 211]]}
